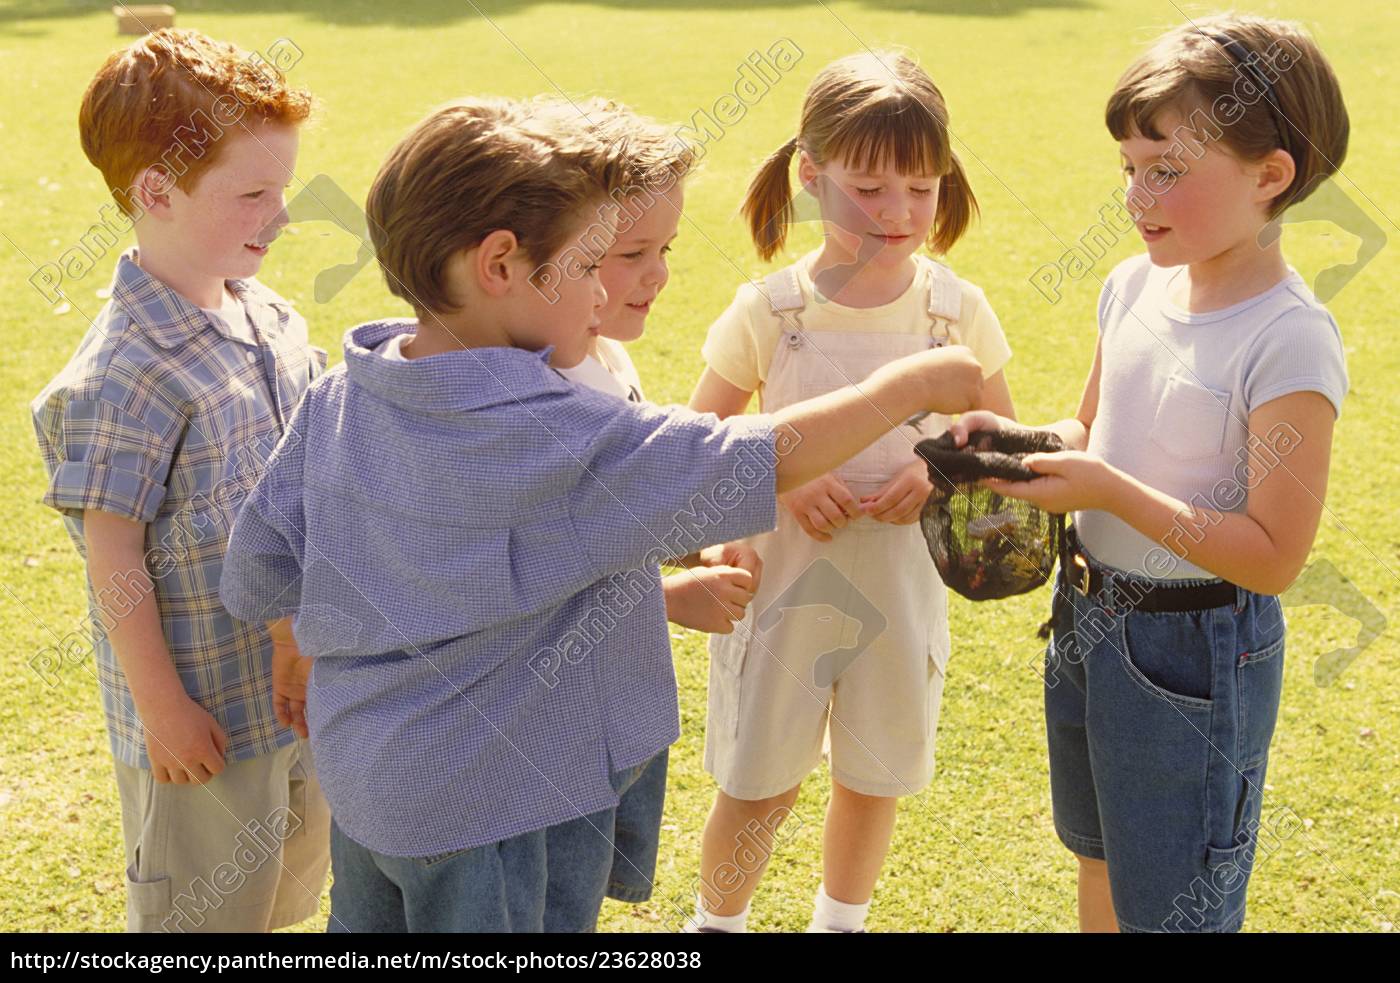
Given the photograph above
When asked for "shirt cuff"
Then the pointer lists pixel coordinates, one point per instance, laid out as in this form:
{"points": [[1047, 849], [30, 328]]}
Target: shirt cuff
{"points": [[77, 486]]}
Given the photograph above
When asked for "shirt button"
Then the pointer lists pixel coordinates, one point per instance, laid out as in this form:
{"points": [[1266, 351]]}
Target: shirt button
{"points": [[794, 340]]}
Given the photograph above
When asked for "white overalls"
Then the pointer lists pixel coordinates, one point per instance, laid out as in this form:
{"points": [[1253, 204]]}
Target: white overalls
{"points": [[856, 628]]}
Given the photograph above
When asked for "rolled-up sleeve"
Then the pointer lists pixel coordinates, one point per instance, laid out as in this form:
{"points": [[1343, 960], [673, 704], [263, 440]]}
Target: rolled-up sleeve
{"points": [[663, 484], [111, 450], [261, 578]]}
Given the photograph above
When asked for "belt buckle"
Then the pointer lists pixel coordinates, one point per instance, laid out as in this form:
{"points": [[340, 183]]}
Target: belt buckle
{"points": [[1079, 578]]}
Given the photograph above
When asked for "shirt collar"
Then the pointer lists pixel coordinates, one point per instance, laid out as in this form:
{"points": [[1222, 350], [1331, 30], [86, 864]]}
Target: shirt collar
{"points": [[170, 320], [470, 379]]}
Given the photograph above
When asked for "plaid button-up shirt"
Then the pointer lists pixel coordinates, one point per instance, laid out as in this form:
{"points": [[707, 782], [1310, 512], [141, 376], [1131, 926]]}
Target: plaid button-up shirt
{"points": [[167, 416]]}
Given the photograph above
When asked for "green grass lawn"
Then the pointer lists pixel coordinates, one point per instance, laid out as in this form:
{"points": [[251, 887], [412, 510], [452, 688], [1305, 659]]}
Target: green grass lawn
{"points": [[1026, 81]]}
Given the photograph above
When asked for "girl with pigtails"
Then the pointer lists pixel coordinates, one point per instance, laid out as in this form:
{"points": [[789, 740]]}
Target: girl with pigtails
{"points": [[846, 643]]}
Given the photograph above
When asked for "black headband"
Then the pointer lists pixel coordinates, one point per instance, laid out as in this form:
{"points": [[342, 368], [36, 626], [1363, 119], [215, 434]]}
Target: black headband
{"points": [[1239, 54]]}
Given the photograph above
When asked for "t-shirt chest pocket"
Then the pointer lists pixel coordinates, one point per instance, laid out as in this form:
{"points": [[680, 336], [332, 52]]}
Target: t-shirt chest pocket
{"points": [[1191, 419]]}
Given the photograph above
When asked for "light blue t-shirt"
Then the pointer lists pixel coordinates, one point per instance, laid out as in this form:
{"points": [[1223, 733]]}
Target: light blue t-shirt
{"points": [[1176, 390]]}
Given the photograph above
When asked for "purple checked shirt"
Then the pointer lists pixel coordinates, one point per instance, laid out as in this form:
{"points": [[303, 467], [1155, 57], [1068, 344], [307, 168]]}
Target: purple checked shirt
{"points": [[471, 546]]}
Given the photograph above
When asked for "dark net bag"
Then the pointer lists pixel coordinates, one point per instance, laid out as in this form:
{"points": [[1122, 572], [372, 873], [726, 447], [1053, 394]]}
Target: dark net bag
{"points": [[987, 546]]}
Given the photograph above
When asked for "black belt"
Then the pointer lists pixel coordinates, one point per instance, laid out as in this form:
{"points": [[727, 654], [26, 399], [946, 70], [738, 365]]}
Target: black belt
{"points": [[1157, 598]]}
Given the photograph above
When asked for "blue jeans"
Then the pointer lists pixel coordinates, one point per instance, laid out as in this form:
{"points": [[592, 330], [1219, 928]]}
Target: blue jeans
{"points": [[580, 874], [547, 880], [1159, 727], [499, 887]]}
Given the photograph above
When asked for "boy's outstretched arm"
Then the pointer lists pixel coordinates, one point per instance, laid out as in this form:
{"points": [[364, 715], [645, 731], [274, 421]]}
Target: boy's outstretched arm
{"points": [[821, 433]]}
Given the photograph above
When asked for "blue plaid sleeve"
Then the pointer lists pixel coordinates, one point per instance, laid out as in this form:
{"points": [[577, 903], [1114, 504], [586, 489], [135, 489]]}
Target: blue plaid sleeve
{"points": [[261, 578], [111, 441], [664, 484]]}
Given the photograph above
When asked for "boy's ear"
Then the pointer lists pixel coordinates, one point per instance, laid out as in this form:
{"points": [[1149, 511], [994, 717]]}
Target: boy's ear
{"points": [[151, 189], [1274, 174], [494, 262]]}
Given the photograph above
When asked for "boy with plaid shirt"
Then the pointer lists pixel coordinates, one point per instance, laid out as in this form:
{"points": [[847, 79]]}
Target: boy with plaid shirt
{"points": [[152, 435]]}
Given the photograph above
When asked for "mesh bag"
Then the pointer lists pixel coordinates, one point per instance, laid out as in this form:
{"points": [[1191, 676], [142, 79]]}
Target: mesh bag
{"points": [[985, 545]]}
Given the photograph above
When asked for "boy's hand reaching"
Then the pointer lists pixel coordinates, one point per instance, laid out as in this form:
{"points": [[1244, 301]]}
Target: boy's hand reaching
{"points": [[184, 743], [900, 502], [709, 598], [821, 506]]}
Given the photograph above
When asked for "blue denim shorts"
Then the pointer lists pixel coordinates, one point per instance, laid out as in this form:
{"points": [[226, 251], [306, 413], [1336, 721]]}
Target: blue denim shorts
{"points": [[550, 880], [1159, 727]]}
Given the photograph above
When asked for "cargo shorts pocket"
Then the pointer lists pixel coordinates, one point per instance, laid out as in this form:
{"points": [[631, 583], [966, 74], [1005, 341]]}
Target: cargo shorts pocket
{"points": [[1259, 683], [147, 898], [728, 653]]}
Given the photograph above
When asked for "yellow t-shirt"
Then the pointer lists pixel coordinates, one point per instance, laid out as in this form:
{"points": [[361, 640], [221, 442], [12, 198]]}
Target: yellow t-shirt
{"points": [[740, 344]]}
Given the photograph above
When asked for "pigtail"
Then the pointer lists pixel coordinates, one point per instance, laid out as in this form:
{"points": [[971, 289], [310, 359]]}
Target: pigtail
{"points": [[956, 207], [768, 202]]}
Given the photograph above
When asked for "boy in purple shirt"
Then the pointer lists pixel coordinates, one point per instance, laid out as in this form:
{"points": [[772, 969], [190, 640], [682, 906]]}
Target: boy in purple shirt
{"points": [[471, 545]]}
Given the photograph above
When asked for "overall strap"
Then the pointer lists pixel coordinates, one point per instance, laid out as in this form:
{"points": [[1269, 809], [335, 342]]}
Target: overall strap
{"points": [[785, 297], [944, 305]]}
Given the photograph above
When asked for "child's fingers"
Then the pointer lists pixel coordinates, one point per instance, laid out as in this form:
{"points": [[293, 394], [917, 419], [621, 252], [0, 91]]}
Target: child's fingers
{"points": [[899, 500], [810, 528], [746, 558], [909, 507], [755, 568], [831, 514], [298, 722], [1046, 463], [887, 498], [842, 498], [741, 580]]}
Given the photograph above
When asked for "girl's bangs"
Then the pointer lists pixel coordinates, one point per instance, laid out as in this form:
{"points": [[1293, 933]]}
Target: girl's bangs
{"points": [[899, 131]]}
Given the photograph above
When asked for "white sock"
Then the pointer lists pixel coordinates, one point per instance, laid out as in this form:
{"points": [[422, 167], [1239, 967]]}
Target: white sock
{"points": [[830, 915], [723, 923]]}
